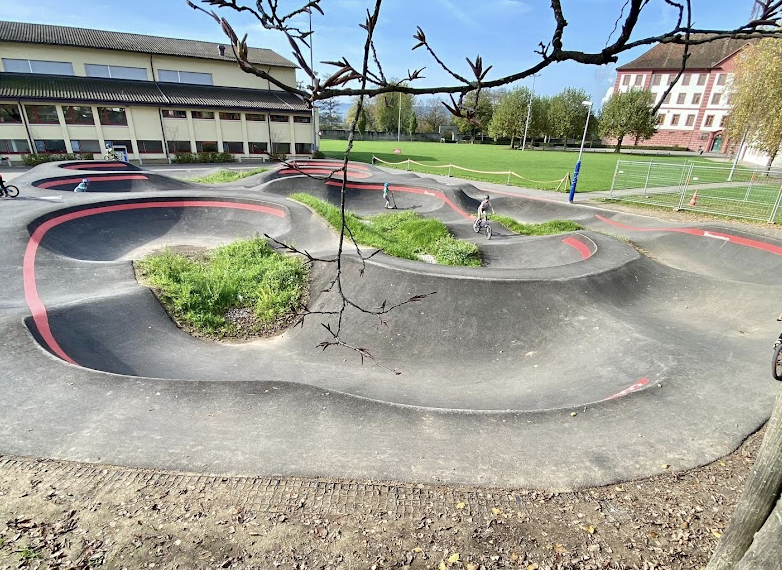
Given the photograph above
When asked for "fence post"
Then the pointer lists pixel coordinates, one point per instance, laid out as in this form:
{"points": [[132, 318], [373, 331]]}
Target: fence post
{"points": [[508, 182], [408, 165], [613, 180], [751, 182], [775, 209], [646, 183], [449, 170], [685, 184]]}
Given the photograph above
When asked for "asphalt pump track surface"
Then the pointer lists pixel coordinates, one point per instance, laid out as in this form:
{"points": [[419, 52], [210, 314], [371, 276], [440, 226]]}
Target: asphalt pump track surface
{"points": [[564, 361]]}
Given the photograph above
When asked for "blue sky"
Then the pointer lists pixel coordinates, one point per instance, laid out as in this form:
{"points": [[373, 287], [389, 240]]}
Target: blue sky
{"points": [[504, 32]]}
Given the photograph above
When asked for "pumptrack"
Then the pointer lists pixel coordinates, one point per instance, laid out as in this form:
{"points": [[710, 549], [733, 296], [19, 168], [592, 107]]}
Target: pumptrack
{"points": [[564, 361]]}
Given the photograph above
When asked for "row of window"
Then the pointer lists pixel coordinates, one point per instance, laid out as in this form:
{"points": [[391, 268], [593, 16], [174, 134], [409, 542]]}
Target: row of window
{"points": [[681, 99], [686, 79], [689, 121], [81, 115], [230, 116], [55, 146], [109, 71]]}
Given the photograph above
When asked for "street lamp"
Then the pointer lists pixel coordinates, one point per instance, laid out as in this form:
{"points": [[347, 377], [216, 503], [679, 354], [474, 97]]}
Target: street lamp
{"points": [[588, 105]]}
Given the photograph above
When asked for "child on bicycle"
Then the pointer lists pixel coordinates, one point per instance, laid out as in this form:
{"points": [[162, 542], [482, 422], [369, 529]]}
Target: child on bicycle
{"points": [[483, 209], [3, 189]]}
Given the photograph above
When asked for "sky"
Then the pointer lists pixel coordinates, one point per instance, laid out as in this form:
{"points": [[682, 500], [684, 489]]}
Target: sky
{"points": [[504, 33]]}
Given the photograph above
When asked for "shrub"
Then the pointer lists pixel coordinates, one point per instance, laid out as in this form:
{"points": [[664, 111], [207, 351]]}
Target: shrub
{"points": [[202, 157], [36, 159], [450, 251], [318, 154]]}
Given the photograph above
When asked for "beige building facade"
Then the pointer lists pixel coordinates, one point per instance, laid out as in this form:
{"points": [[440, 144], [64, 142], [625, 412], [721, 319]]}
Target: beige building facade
{"points": [[79, 90]]}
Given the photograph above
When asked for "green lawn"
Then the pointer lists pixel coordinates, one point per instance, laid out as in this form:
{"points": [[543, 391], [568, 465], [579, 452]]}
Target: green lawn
{"points": [[540, 169], [406, 234], [223, 176]]}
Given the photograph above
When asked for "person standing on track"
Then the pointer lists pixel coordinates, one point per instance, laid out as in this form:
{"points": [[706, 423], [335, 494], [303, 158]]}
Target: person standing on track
{"points": [[385, 195], [483, 209]]}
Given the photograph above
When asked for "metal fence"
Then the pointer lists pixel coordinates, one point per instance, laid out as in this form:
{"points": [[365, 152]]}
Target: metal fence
{"points": [[739, 192]]}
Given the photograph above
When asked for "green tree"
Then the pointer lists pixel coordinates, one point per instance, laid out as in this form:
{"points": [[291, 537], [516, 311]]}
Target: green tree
{"points": [[431, 116], [364, 119], [567, 114], [386, 113], [510, 115], [484, 109], [756, 97], [627, 113], [412, 125]]}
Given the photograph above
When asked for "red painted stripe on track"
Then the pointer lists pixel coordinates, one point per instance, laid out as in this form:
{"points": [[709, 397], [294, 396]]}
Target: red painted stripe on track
{"points": [[410, 190], [37, 308], [746, 242], [579, 245], [64, 181], [637, 387]]}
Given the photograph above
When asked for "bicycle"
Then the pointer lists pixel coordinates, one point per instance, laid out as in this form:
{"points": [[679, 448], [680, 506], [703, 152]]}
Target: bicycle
{"points": [[482, 225], [11, 191], [776, 361]]}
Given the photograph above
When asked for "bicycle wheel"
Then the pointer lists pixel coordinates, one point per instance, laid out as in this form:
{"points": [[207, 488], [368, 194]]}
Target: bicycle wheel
{"points": [[488, 231], [477, 226], [13, 191], [776, 363]]}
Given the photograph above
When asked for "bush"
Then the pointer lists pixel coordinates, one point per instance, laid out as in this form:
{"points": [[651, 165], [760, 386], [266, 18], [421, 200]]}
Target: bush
{"points": [[318, 154], [450, 251], [36, 159], [202, 157]]}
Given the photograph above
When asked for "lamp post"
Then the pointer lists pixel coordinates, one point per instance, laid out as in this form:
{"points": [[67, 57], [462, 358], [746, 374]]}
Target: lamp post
{"points": [[588, 105], [314, 108], [529, 112]]}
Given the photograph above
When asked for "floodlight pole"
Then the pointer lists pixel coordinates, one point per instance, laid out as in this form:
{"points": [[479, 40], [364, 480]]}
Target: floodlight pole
{"points": [[529, 112], [312, 79], [588, 105]]}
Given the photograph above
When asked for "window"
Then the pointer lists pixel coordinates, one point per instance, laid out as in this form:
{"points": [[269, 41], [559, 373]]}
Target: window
{"points": [[10, 114], [78, 115], [716, 98], [680, 98], [174, 114], [701, 79], [203, 114], [690, 120], [115, 71], [127, 144], [278, 118], [674, 120], [14, 146], [255, 116], [671, 77], [723, 120], [696, 98], [206, 146], [303, 148], [686, 79], [722, 78], [281, 148], [172, 76], [230, 116], [36, 66], [639, 79], [709, 121], [112, 116], [660, 118], [626, 80], [233, 147], [667, 99], [656, 79], [179, 146], [258, 148], [302, 119], [85, 146], [50, 146], [42, 114], [150, 147]]}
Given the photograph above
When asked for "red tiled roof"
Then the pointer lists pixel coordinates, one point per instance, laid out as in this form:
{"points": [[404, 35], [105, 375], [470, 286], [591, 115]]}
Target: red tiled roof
{"points": [[702, 56]]}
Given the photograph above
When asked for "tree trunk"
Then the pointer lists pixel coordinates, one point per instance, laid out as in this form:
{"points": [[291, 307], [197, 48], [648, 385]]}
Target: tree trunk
{"points": [[770, 162], [619, 143], [754, 512], [512, 138]]}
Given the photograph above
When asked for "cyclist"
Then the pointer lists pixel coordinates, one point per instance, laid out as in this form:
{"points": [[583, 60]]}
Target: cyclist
{"points": [[3, 189], [483, 209]]}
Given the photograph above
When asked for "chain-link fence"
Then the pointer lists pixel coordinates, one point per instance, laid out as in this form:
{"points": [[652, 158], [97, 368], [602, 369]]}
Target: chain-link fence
{"points": [[740, 192]]}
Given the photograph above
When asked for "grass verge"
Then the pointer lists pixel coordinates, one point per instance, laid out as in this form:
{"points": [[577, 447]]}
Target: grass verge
{"points": [[544, 229], [223, 176], [406, 234], [238, 290]]}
